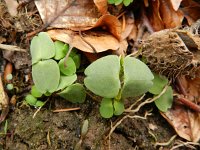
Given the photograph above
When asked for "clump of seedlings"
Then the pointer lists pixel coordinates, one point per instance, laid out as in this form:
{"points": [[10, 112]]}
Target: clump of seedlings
{"points": [[52, 72]]}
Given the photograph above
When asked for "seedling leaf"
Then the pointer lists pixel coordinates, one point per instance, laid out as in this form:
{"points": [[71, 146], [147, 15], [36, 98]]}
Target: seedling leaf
{"points": [[31, 100], [39, 103], [42, 47], [118, 107], [106, 108], [137, 78], [66, 81], [61, 50], [103, 76], [159, 83], [74, 93], [35, 92], [165, 101], [46, 76], [70, 68]]}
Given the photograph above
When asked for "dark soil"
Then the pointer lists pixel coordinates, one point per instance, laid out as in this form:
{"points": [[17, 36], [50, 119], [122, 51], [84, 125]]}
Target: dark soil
{"points": [[64, 129]]}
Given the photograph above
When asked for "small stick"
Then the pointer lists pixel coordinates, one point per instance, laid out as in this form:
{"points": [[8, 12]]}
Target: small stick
{"points": [[166, 143], [12, 48], [66, 109], [80, 34], [189, 104]]}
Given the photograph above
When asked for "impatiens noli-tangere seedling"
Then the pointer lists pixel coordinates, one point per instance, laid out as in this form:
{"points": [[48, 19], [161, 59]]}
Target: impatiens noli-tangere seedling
{"points": [[52, 72], [164, 102], [116, 78]]}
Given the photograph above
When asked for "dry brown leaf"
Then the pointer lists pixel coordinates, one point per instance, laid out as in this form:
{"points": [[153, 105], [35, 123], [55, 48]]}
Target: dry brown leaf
{"points": [[74, 14], [152, 12], [111, 23], [191, 87], [130, 24], [185, 122], [12, 7], [192, 12], [101, 41], [170, 17], [175, 4], [102, 6], [3, 102]]}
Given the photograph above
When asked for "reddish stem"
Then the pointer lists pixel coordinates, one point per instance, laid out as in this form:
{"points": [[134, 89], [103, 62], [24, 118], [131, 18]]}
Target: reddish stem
{"points": [[189, 104]]}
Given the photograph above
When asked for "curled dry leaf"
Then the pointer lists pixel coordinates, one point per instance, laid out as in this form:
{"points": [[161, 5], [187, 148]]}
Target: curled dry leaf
{"points": [[185, 122], [175, 4], [12, 7], [102, 6], [130, 24], [170, 17], [153, 15], [101, 41], [191, 88], [191, 12], [3, 102], [73, 14]]}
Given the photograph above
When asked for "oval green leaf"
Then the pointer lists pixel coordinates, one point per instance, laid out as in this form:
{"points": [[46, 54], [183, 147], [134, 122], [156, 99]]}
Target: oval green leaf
{"points": [[137, 78], [35, 92], [165, 101], [118, 107], [61, 50], [31, 100], [42, 47], [46, 76], [103, 76], [70, 68], [106, 108], [159, 83], [74, 93], [66, 81]]}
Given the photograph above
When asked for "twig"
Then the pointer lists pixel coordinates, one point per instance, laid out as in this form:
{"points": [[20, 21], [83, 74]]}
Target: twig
{"points": [[129, 110], [81, 36], [12, 48], [189, 104], [166, 143], [67, 55], [66, 109], [51, 21], [186, 144]]}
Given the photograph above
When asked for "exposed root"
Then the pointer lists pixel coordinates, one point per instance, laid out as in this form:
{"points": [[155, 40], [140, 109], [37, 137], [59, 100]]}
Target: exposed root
{"points": [[187, 144], [166, 143], [131, 112]]}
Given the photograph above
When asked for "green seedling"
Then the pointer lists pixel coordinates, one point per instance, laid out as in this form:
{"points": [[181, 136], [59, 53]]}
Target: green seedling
{"points": [[61, 50], [165, 101], [74, 93], [70, 67], [49, 73], [31, 100], [9, 77], [42, 47], [117, 2], [35, 92], [116, 78], [39, 103], [9, 86]]}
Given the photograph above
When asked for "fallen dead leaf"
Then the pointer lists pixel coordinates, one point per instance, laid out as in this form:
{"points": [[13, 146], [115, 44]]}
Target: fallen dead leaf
{"points": [[170, 17], [12, 7], [76, 14], [191, 12], [130, 24], [3, 102], [175, 4], [185, 122], [102, 6], [101, 41], [152, 13]]}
